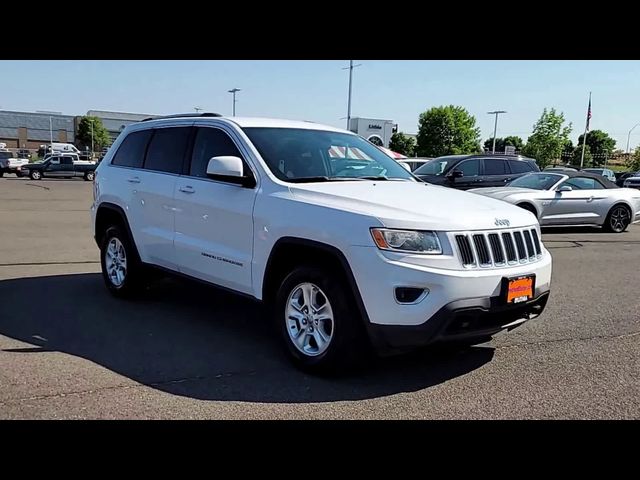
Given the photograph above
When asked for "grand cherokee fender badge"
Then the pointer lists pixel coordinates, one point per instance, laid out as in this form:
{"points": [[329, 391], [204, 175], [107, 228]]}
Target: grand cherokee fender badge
{"points": [[502, 222]]}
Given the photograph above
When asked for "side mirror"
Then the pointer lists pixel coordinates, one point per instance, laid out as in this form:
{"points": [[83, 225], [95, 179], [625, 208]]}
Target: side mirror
{"points": [[230, 169], [455, 174], [406, 166], [565, 188]]}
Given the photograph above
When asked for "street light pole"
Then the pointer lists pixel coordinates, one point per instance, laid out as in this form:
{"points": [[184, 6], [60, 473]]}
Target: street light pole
{"points": [[92, 139], [233, 92], [51, 133], [350, 68], [495, 127], [629, 136]]}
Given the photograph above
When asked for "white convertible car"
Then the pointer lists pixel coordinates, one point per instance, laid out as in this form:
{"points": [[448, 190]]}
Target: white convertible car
{"points": [[571, 198]]}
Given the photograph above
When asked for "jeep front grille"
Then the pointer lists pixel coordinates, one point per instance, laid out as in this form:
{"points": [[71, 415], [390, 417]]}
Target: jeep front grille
{"points": [[498, 249]]}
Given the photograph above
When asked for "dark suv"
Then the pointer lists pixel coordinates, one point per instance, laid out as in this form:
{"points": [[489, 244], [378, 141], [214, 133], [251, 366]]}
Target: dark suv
{"points": [[475, 171]]}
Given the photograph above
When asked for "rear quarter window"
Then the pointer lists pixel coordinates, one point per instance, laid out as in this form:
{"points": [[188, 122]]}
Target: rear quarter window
{"points": [[520, 166]]}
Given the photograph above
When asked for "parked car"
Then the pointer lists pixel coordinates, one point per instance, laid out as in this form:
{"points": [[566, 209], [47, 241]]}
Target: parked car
{"points": [[416, 162], [9, 163], [60, 166], [24, 153], [470, 171], [571, 198], [632, 181], [622, 176], [605, 172], [343, 251], [560, 169]]}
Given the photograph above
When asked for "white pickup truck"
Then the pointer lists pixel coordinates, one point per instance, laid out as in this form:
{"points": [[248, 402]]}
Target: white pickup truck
{"points": [[9, 163]]}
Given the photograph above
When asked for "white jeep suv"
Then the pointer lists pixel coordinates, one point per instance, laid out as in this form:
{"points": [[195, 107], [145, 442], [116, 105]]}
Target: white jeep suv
{"points": [[347, 248]]}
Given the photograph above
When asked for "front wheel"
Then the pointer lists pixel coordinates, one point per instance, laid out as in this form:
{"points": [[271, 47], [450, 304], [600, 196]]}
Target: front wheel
{"points": [[35, 175], [318, 321], [618, 219], [121, 267]]}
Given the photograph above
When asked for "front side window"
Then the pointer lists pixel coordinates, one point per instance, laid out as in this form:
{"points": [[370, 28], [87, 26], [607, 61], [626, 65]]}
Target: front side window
{"points": [[437, 166], [298, 155], [131, 150], [583, 183], [210, 142], [167, 149], [469, 168]]}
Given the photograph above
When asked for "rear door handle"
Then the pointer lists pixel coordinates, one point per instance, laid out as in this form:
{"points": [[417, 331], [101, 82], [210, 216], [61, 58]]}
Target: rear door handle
{"points": [[187, 189], [133, 180]]}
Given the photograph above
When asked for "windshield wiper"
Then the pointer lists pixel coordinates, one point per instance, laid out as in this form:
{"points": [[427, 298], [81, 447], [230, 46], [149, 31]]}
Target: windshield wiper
{"points": [[317, 179]]}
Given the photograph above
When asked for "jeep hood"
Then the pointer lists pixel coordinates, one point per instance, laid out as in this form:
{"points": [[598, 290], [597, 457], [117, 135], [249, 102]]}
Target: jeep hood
{"points": [[416, 205]]}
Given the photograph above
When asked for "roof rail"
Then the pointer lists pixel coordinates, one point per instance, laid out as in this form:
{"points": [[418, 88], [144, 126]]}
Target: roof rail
{"points": [[181, 115]]}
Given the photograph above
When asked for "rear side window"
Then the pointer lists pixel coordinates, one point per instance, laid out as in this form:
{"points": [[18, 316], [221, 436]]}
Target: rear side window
{"points": [[66, 161], [520, 167], [210, 142], [167, 149], [131, 151], [494, 166]]}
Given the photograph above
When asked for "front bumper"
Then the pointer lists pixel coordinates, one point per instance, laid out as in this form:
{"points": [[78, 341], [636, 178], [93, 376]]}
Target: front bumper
{"points": [[459, 321]]}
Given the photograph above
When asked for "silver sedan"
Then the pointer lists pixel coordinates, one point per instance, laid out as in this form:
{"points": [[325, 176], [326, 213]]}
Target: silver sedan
{"points": [[571, 198]]}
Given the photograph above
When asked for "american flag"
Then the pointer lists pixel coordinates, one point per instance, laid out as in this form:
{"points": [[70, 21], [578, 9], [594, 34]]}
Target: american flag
{"points": [[589, 112]]}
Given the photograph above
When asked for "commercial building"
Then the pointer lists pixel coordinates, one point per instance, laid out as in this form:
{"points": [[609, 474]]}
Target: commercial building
{"points": [[32, 129], [376, 130]]}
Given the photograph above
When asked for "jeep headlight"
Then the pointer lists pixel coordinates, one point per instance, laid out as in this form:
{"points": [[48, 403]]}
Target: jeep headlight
{"points": [[410, 241]]}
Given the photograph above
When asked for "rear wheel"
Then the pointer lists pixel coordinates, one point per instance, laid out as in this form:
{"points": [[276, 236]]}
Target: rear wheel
{"points": [[618, 219], [89, 176], [121, 268], [1, 173], [318, 321]]}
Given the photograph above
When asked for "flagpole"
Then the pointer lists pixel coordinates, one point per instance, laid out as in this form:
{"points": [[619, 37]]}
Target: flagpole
{"points": [[584, 137]]}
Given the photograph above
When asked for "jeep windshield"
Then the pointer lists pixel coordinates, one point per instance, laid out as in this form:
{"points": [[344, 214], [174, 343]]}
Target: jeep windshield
{"points": [[304, 155]]}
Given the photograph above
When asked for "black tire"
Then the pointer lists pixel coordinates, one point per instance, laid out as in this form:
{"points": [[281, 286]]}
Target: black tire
{"points": [[347, 348], [529, 208], [89, 176], [1, 174], [133, 279], [618, 219], [19, 175], [35, 175]]}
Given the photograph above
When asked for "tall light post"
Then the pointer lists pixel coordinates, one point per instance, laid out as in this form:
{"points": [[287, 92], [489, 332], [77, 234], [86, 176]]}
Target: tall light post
{"points": [[495, 127], [92, 149], [629, 136], [233, 92], [350, 68]]}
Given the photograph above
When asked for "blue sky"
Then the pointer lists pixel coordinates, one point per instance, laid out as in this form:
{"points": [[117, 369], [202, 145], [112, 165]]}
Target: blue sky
{"points": [[317, 90]]}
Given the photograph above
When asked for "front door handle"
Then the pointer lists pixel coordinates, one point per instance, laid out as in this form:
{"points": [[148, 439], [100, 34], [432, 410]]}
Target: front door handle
{"points": [[590, 199], [187, 189], [477, 180], [133, 180]]}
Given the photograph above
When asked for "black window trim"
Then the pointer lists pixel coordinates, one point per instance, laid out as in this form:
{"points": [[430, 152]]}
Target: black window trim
{"points": [[604, 187], [187, 163]]}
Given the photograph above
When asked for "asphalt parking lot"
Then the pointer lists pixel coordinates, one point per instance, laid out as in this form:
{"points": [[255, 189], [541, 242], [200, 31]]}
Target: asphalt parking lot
{"points": [[185, 351]]}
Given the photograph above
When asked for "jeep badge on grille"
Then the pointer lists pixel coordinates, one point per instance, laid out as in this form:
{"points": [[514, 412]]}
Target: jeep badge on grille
{"points": [[502, 222]]}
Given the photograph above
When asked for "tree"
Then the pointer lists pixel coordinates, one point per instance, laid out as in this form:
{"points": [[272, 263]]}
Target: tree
{"points": [[577, 155], [402, 144], [447, 130], [548, 139], [600, 144], [514, 141], [501, 143], [633, 162], [101, 137]]}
